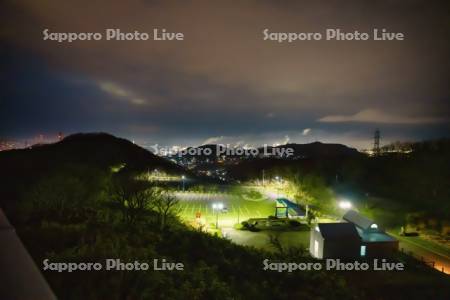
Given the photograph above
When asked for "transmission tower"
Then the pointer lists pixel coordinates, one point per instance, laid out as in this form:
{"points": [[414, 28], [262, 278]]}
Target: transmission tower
{"points": [[376, 142]]}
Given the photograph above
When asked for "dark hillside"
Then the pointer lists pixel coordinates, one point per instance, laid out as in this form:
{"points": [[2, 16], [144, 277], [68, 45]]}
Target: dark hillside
{"points": [[101, 151]]}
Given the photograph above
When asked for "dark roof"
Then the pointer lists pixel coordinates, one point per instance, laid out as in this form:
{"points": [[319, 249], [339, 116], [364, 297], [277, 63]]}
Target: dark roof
{"points": [[338, 231], [358, 219], [372, 237]]}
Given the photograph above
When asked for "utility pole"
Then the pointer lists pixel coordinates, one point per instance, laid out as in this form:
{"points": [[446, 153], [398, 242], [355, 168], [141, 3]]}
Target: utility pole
{"points": [[217, 207], [217, 218]]}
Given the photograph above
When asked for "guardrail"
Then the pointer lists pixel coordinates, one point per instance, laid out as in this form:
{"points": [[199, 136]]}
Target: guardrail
{"points": [[20, 278]]}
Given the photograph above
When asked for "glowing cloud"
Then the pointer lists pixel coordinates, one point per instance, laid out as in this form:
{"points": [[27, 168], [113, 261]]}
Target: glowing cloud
{"points": [[378, 116], [306, 131], [119, 92]]}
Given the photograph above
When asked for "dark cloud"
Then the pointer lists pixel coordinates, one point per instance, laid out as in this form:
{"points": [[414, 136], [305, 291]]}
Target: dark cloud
{"points": [[224, 80]]}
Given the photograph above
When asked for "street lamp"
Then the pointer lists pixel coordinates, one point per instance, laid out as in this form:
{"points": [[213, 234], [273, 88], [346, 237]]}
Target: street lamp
{"points": [[217, 207], [344, 204], [278, 179], [182, 179]]}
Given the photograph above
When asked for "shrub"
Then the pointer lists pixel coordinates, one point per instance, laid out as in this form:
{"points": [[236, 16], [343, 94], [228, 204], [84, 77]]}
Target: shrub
{"points": [[294, 223]]}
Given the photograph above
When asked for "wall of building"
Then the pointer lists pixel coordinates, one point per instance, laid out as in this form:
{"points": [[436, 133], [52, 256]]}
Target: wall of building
{"points": [[316, 240], [341, 249], [381, 249]]}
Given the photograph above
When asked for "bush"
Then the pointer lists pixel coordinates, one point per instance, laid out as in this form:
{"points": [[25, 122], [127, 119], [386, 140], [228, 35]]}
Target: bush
{"points": [[294, 223], [238, 226], [253, 229], [245, 225]]}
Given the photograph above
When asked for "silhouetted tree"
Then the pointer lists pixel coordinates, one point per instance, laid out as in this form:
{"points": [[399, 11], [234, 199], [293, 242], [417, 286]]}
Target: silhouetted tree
{"points": [[165, 204]]}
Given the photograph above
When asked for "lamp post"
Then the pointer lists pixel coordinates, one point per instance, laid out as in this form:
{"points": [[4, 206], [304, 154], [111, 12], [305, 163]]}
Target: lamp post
{"points": [[216, 207], [182, 179], [277, 178]]}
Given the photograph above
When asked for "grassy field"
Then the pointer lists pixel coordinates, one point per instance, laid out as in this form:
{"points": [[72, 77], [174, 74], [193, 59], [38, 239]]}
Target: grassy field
{"points": [[260, 240], [238, 207], [421, 242], [385, 212]]}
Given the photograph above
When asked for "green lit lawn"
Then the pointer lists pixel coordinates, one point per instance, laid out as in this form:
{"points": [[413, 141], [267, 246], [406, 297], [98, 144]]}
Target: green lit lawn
{"points": [[239, 207], [385, 212], [260, 240]]}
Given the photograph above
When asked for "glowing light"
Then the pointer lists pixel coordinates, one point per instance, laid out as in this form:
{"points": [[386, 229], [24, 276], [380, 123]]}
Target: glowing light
{"points": [[345, 204], [217, 206], [374, 226], [362, 251]]}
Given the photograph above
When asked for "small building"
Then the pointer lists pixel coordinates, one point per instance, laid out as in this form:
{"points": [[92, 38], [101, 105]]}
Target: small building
{"points": [[357, 237], [360, 221], [287, 209], [375, 242], [334, 240], [378, 244]]}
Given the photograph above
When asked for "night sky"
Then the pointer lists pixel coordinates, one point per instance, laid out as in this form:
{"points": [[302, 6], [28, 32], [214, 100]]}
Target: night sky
{"points": [[224, 83]]}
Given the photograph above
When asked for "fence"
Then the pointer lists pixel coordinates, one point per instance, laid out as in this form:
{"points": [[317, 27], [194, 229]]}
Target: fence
{"points": [[426, 262]]}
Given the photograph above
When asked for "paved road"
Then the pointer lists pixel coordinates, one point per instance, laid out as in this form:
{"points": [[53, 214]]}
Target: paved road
{"points": [[441, 261]]}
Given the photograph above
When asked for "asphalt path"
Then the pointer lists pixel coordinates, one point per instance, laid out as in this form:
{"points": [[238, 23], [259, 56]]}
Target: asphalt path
{"points": [[441, 261]]}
